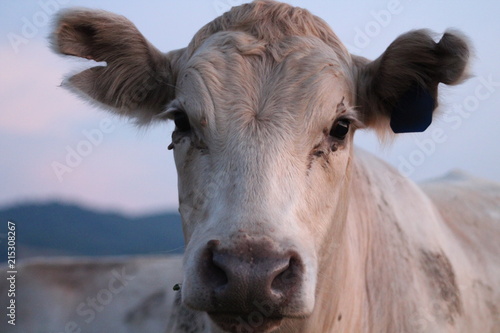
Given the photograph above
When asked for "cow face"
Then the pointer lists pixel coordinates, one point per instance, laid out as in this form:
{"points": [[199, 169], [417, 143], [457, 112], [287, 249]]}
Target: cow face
{"points": [[262, 146]]}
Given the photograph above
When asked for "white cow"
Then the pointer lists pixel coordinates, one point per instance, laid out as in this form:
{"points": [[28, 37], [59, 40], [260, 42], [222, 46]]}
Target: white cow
{"points": [[288, 227]]}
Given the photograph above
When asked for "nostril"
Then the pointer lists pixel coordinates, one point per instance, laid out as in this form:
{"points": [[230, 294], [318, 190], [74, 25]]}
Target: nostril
{"points": [[287, 277], [219, 276], [280, 270], [213, 274]]}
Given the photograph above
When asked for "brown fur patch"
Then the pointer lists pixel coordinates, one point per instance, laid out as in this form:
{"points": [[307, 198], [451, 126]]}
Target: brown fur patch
{"points": [[442, 282]]}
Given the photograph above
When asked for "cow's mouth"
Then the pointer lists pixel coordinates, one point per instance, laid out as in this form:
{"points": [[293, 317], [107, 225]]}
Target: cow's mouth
{"points": [[254, 322]]}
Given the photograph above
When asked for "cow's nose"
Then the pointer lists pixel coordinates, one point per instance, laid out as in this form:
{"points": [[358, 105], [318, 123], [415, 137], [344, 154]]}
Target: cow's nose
{"points": [[248, 275]]}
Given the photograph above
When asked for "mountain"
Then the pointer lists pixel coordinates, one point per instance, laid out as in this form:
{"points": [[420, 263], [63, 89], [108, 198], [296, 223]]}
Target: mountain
{"points": [[63, 229]]}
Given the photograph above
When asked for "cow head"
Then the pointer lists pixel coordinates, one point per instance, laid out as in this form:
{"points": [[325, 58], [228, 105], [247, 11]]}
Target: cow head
{"points": [[265, 100]]}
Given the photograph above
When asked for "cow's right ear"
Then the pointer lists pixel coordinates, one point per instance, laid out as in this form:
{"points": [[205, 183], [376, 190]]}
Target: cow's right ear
{"points": [[137, 80]]}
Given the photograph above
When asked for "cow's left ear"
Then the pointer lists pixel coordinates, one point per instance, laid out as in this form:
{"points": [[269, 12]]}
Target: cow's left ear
{"points": [[401, 86]]}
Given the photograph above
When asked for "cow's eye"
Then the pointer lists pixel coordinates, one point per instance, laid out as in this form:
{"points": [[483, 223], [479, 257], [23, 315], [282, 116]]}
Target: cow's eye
{"points": [[181, 121], [340, 129]]}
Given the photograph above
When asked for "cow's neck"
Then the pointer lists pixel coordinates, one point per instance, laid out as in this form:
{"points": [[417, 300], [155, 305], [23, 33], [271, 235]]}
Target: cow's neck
{"points": [[358, 273]]}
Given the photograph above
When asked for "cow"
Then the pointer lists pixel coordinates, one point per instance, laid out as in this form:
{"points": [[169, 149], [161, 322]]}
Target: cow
{"points": [[90, 295], [289, 227]]}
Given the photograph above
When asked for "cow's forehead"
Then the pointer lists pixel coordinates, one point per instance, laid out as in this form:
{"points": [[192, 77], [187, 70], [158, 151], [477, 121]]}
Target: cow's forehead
{"points": [[294, 85]]}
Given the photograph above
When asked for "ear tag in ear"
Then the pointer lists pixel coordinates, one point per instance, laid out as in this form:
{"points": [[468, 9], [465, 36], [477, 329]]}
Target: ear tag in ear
{"points": [[413, 111]]}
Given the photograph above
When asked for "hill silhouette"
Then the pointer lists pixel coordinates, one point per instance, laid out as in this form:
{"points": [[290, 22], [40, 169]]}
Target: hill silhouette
{"points": [[70, 230]]}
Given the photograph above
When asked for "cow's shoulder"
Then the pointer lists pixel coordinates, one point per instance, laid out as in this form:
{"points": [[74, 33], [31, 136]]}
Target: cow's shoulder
{"points": [[470, 209], [444, 232]]}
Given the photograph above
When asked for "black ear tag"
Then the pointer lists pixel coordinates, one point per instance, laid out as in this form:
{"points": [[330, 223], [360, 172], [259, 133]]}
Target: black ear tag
{"points": [[413, 112]]}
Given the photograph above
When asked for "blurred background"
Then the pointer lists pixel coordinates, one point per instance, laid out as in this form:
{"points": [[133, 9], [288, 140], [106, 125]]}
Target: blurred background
{"points": [[74, 177]]}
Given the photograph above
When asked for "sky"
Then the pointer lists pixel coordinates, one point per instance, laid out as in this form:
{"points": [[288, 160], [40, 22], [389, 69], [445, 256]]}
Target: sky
{"points": [[54, 146]]}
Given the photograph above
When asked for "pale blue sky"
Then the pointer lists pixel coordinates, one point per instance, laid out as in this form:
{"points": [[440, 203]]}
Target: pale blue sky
{"points": [[133, 172]]}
